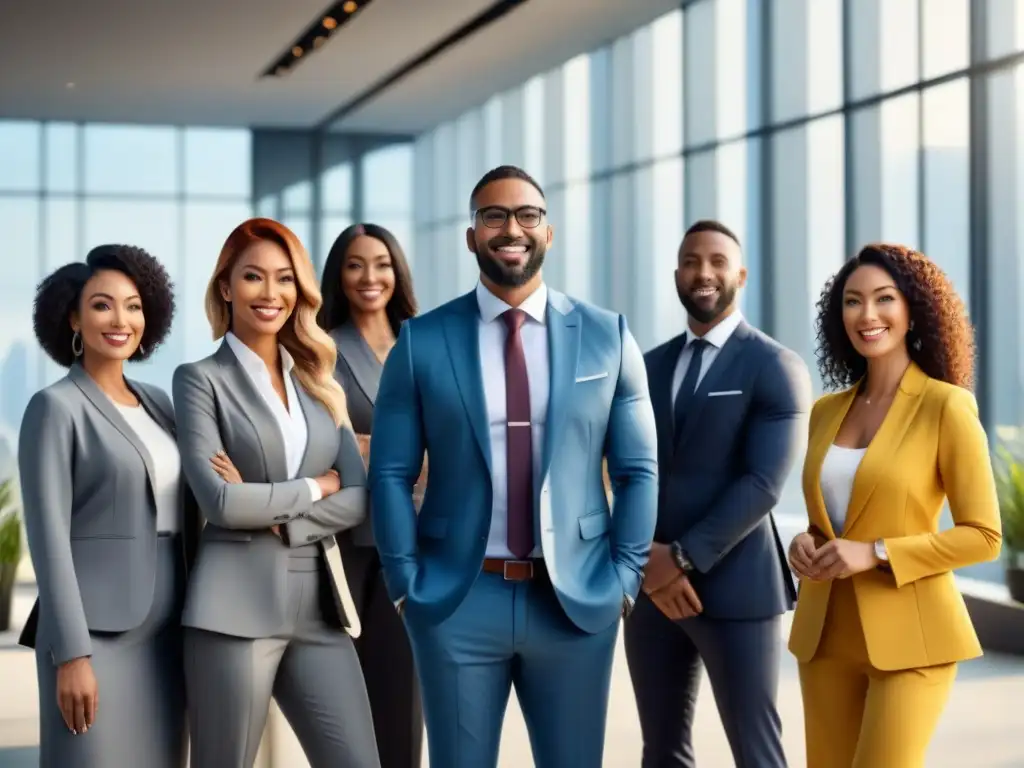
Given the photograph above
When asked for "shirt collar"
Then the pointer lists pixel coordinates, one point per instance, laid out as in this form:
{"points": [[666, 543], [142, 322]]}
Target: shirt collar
{"points": [[491, 307], [252, 362], [720, 334]]}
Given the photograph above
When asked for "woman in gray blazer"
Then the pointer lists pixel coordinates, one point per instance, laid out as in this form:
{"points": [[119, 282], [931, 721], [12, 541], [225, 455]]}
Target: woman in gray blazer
{"points": [[367, 290], [267, 447], [111, 527]]}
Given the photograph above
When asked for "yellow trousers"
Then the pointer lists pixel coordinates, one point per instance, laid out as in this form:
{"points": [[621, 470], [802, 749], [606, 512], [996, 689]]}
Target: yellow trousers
{"points": [[856, 716]]}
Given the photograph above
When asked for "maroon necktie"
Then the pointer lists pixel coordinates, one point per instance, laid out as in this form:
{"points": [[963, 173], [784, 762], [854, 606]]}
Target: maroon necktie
{"points": [[519, 456]]}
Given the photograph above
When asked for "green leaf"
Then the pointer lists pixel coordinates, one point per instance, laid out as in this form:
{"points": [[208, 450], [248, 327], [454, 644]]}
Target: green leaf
{"points": [[1009, 473], [10, 525]]}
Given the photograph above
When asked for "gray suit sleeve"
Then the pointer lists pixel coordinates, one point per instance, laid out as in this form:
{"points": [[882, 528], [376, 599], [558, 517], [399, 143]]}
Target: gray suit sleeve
{"points": [[228, 505], [45, 451], [776, 436], [339, 511]]}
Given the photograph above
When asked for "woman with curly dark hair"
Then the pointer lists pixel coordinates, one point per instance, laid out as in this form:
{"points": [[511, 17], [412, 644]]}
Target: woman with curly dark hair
{"points": [[111, 527], [880, 624], [367, 290]]}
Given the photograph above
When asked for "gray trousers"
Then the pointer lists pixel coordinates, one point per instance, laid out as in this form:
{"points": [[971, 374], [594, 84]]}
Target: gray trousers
{"points": [[140, 720], [310, 668]]}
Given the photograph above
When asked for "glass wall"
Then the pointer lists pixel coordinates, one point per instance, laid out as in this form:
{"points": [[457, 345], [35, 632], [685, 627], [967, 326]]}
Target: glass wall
{"points": [[810, 127], [64, 188]]}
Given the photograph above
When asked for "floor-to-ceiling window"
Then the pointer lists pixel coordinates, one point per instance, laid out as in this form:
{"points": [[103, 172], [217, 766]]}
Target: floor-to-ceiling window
{"points": [[810, 127], [66, 187]]}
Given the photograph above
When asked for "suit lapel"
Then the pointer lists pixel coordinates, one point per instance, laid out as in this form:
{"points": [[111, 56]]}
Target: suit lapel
{"points": [[161, 417], [256, 410], [882, 448], [365, 367], [106, 407], [313, 425], [664, 369], [563, 330], [725, 359], [817, 447], [462, 335]]}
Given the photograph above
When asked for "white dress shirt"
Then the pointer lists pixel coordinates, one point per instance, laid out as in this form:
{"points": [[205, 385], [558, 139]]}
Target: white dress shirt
{"points": [[493, 333], [291, 421], [715, 338], [163, 450]]}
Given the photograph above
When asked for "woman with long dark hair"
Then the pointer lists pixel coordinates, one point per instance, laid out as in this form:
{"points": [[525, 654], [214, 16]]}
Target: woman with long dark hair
{"points": [[880, 624], [367, 290]]}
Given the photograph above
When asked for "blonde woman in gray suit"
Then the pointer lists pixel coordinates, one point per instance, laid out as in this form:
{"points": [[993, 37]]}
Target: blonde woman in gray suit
{"points": [[111, 527], [267, 447]]}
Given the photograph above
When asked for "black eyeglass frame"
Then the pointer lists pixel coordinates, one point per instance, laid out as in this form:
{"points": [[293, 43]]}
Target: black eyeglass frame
{"points": [[509, 211]]}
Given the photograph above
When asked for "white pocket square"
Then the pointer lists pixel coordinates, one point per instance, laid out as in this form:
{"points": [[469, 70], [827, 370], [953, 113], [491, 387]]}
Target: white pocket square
{"points": [[594, 377], [726, 393]]}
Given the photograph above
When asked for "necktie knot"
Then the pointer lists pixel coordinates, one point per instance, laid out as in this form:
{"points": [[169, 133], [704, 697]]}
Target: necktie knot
{"points": [[698, 345], [514, 319]]}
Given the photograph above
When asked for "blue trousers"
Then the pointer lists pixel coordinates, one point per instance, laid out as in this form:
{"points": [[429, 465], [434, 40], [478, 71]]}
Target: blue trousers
{"points": [[509, 633]]}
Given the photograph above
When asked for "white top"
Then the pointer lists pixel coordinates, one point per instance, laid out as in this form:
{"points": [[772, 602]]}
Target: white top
{"points": [[838, 471], [715, 338], [493, 333], [163, 450], [291, 421]]}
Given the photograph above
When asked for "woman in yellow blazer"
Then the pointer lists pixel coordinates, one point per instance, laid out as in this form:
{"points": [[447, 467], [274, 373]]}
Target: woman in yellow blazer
{"points": [[880, 624]]}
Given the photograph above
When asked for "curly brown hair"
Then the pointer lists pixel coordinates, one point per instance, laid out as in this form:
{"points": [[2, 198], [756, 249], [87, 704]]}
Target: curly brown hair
{"points": [[60, 293], [940, 324]]}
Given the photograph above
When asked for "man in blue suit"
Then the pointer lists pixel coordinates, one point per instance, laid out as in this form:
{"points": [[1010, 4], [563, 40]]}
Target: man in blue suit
{"points": [[516, 571]]}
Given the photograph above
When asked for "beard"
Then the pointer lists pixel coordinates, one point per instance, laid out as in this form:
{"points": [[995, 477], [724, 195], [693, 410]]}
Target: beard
{"points": [[703, 314], [506, 275]]}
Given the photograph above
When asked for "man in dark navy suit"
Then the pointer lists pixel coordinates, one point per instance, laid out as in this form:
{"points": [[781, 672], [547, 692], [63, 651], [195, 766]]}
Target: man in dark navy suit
{"points": [[731, 406]]}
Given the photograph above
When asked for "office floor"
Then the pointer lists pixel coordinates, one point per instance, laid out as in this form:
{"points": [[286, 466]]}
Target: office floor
{"points": [[980, 728]]}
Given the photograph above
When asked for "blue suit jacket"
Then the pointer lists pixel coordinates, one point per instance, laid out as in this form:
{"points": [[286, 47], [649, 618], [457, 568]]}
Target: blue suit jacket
{"points": [[431, 400]]}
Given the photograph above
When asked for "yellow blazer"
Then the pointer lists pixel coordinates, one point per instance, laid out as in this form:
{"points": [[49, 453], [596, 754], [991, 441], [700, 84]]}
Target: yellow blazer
{"points": [[930, 446]]}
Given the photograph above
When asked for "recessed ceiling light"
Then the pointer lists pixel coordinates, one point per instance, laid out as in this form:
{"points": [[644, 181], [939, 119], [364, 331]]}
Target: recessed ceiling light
{"points": [[321, 30], [69, 86]]}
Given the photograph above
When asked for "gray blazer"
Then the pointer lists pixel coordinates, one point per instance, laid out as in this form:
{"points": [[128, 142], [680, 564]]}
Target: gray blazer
{"points": [[90, 515], [358, 371], [239, 585]]}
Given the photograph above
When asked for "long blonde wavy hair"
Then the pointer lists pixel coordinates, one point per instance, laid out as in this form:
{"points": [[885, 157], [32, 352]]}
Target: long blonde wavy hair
{"points": [[313, 350]]}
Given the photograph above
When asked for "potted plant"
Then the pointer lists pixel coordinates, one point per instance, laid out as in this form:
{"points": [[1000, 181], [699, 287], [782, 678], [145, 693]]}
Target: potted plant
{"points": [[1010, 485], [10, 550]]}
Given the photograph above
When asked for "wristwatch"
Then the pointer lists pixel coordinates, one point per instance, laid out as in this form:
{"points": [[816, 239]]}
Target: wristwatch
{"points": [[883, 556], [880, 551], [683, 563]]}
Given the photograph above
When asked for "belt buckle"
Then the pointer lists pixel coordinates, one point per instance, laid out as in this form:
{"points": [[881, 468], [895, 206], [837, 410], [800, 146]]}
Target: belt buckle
{"points": [[527, 563]]}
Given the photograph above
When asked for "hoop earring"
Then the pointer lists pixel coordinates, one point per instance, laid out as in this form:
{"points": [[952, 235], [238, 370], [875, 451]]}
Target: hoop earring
{"points": [[142, 350], [77, 346]]}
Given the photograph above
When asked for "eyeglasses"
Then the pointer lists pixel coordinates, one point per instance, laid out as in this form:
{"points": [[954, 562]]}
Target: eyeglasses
{"points": [[495, 216]]}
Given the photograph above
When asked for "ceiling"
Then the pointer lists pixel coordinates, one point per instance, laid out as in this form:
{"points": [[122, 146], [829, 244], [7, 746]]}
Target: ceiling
{"points": [[196, 62]]}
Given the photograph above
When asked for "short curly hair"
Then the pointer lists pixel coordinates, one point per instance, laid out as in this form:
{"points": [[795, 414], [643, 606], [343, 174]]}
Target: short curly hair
{"points": [[60, 293], [946, 351]]}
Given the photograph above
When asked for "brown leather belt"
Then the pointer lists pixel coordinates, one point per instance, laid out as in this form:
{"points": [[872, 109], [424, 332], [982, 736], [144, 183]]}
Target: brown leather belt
{"points": [[516, 570]]}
